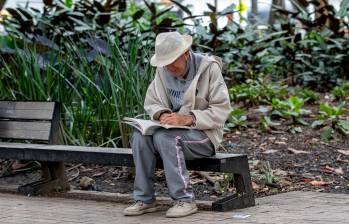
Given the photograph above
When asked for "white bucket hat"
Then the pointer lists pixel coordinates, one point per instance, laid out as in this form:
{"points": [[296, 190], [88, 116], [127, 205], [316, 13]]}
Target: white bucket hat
{"points": [[168, 47]]}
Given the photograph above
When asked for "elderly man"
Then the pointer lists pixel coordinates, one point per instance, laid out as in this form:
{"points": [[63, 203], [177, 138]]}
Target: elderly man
{"points": [[188, 89]]}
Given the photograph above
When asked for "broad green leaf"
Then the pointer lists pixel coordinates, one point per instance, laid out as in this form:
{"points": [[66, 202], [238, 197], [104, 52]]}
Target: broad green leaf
{"points": [[230, 9], [326, 134], [344, 126], [182, 7], [296, 130], [238, 112], [268, 121], [277, 113], [343, 9], [295, 101], [327, 109], [304, 111], [317, 123], [68, 3], [340, 110], [82, 28], [292, 113], [302, 122], [138, 14]]}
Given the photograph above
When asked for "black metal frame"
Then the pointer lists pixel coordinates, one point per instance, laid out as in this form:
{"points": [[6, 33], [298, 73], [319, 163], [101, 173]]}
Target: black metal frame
{"points": [[244, 196]]}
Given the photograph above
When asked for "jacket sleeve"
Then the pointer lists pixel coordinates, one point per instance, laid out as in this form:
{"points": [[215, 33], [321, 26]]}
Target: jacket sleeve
{"points": [[218, 104], [153, 104]]}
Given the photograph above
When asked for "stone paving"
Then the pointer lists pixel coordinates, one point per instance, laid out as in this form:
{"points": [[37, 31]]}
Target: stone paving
{"points": [[293, 207]]}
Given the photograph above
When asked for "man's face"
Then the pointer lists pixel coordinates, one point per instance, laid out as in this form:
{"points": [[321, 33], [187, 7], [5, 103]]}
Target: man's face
{"points": [[178, 67]]}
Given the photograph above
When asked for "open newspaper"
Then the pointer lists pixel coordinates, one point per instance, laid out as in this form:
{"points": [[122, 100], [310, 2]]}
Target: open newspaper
{"points": [[148, 127]]}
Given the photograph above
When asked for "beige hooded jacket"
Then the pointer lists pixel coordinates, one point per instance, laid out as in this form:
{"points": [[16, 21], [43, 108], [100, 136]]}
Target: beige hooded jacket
{"points": [[207, 98]]}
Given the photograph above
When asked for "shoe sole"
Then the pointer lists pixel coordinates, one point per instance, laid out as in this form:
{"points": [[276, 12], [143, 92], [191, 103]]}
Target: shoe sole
{"points": [[183, 214], [148, 210]]}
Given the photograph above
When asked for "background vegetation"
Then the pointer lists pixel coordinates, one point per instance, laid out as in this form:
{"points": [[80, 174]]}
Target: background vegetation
{"points": [[93, 57]]}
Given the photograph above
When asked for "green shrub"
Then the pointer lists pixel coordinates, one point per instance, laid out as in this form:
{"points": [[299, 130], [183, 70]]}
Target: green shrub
{"points": [[95, 95], [341, 92], [237, 118], [308, 95], [318, 59], [266, 124], [291, 108], [255, 92], [330, 119]]}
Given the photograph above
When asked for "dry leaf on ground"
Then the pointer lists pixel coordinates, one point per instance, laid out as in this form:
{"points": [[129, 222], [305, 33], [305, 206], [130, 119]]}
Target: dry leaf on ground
{"points": [[295, 151], [82, 170], [329, 169], [284, 182], [339, 171], [306, 180], [98, 174], [255, 186], [270, 151], [280, 172], [317, 183], [16, 165], [345, 152], [197, 181], [343, 160], [280, 143]]}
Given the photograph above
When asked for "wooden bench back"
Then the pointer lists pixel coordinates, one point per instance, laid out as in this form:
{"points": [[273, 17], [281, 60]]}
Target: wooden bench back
{"points": [[35, 121]]}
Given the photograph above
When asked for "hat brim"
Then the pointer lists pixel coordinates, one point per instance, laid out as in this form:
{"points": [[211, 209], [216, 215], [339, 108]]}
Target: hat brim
{"points": [[156, 62]]}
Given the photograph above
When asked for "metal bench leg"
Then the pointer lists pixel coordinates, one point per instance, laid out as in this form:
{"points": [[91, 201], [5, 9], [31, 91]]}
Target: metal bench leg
{"points": [[53, 179], [243, 198]]}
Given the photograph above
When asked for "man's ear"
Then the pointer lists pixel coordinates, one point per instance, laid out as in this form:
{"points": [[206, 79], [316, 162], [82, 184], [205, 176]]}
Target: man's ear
{"points": [[186, 55]]}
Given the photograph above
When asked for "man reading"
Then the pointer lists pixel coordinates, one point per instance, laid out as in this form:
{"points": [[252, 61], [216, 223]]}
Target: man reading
{"points": [[188, 89]]}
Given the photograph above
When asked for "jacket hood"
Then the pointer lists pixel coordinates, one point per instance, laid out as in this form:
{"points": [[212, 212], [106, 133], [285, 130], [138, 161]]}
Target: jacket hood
{"points": [[207, 60]]}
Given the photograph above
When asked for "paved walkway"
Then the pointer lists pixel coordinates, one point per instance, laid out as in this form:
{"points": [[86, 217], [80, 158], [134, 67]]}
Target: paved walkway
{"points": [[294, 208]]}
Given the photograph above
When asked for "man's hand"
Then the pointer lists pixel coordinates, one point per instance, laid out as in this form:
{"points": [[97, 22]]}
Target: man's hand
{"points": [[176, 119]]}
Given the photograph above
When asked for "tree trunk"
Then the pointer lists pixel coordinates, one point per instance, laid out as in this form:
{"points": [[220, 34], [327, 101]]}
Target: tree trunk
{"points": [[254, 11], [2, 3], [279, 3]]}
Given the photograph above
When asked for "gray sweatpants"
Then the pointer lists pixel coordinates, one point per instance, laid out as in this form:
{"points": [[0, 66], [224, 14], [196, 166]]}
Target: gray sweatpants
{"points": [[173, 146]]}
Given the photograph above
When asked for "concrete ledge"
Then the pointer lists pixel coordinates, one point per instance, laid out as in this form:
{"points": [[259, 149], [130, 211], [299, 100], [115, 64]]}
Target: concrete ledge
{"points": [[104, 196]]}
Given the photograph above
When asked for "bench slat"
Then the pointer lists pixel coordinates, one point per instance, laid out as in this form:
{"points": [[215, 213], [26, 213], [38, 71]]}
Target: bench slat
{"points": [[25, 130], [107, 156], [26, 110]]}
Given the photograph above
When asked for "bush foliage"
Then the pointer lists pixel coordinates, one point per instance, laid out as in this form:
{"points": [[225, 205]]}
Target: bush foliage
{"points": [[93, 56]]}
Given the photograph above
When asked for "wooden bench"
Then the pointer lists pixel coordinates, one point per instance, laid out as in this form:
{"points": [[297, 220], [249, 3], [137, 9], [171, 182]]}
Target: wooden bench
{"points": [[38, 122]]}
